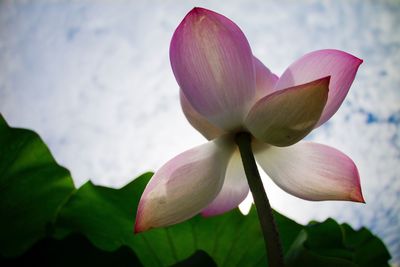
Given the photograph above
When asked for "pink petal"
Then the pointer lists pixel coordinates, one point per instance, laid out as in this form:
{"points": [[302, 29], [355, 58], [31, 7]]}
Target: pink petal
{"points": [[286, 116], [311, 171], [341, 66], [213, 65], [265, 79], [198, 121], [183, 186], [234, 190]]}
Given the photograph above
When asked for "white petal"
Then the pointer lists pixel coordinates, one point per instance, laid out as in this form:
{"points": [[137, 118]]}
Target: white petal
{"points": [[341, 66], [286, 116], [234, 190], [213, 65], [198, 121], [311, 171], [265, 79], [183, 186]]}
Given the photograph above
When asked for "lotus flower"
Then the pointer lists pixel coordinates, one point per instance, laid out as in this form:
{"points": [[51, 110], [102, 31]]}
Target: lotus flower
{"points": [[225, 90]]}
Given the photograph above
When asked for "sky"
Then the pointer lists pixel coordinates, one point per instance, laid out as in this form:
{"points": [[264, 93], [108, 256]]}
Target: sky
{"points": [[94, 80]]}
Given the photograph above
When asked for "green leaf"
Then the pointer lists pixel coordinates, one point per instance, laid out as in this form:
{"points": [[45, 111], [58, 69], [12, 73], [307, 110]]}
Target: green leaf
{"points": [[369, 251], [32, 188]]}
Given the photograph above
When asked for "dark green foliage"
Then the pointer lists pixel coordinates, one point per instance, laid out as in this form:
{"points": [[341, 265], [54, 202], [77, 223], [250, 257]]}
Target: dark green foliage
{"points": [[330, 244], [74, 250], [32, 188]]}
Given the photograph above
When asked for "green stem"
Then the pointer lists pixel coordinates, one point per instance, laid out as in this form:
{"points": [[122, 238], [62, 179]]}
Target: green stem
{"points": [[264, 211]]}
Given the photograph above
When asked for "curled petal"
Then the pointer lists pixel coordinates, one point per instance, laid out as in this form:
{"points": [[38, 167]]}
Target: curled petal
{"points": [[265, 79], [234, 189], [213, 65], [286, 116], [183, 186], [311, 171], [341, 66], [199, 122]]}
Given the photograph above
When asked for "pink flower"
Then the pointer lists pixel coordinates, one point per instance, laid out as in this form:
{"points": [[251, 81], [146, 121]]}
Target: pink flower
{"points": [[226, 90]]}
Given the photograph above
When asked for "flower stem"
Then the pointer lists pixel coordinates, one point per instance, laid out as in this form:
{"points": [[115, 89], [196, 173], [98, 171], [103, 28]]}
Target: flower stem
{"points": [[264, 211]]}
